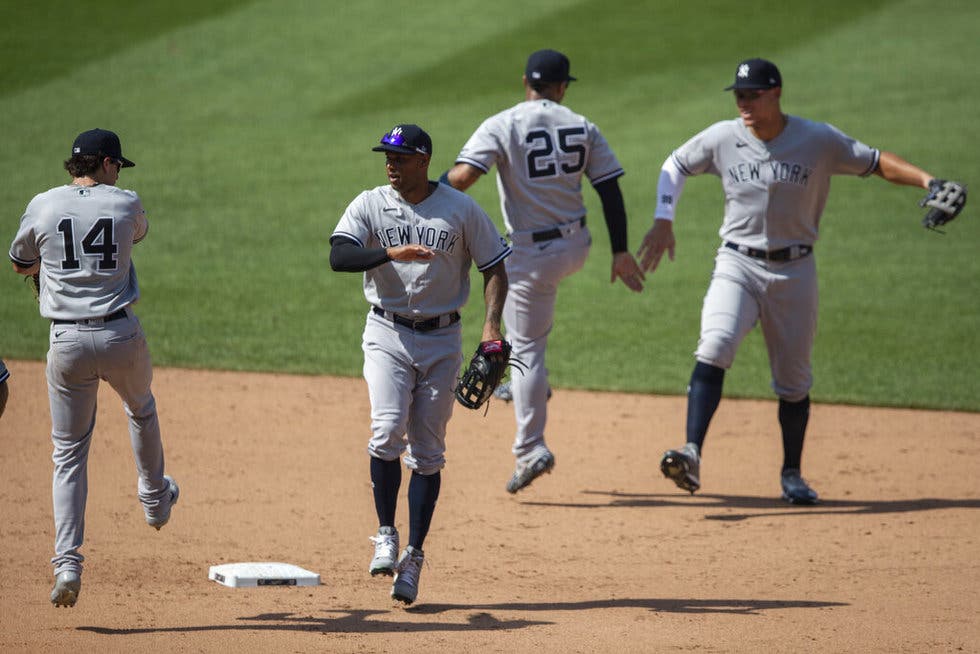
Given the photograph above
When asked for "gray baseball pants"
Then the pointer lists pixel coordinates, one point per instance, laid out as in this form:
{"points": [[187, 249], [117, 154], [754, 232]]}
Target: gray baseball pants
{"points": [[80, 356]]}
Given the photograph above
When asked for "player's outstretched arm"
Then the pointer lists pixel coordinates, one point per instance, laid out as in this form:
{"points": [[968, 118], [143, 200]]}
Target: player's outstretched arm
{"points": [[659, 239], [494, 293], [624, 266], [896, 170]]}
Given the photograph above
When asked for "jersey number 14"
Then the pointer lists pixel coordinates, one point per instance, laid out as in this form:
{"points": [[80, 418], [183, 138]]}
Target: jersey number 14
{"points": [[99, 242]]}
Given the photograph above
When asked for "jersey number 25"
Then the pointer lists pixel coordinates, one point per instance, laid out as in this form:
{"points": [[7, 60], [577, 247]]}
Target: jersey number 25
{"points": [[541, 159]]}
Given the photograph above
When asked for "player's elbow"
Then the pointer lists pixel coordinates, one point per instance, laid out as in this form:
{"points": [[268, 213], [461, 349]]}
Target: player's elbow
{"points": [[339, 263], [26, 270]]}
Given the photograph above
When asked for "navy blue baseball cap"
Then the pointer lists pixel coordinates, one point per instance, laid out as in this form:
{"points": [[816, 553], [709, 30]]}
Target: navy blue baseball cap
{"points": [[100, 142], [548, 66], [407, 139], [756, 74]]}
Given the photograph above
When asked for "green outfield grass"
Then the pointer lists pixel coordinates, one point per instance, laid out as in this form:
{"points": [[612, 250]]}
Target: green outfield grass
{"points": [[251, 125]]}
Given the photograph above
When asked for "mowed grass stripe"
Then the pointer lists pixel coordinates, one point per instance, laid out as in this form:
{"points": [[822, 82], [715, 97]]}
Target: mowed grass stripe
{"points": [[251, 130]]}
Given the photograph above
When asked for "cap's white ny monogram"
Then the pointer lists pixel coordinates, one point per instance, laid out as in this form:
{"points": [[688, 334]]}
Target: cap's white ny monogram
{"points": [[743, 70], [396, 131]]}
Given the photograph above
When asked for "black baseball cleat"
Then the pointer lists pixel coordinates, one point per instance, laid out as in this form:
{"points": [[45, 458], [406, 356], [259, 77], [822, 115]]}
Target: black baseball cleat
{"points": [[683, 467], [795, 489]]}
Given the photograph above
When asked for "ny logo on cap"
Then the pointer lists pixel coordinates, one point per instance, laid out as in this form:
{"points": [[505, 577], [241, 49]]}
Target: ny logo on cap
{"points": [[743, 70]]}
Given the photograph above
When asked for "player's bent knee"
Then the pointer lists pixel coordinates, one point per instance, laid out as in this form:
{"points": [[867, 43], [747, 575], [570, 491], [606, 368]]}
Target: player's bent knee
{"points": [[792, 392], [429, 468], [718, 352], [386, 448]]}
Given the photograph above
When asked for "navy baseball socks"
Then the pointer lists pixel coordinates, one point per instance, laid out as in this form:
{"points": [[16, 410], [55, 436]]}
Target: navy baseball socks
{"points": [[683, 465], [423, 492], [793, 418], [386, 479]]}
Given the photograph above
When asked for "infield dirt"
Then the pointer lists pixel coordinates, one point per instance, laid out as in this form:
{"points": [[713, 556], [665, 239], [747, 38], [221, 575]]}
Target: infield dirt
{"points": [[603, 555]]}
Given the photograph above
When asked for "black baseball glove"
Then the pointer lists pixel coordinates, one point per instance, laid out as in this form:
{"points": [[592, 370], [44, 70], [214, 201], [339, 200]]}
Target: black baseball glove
{"points": [[486, 369], [945, 201]]}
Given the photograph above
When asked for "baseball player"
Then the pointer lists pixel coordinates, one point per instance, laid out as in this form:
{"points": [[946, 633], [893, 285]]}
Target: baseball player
{"points": [[775, 171], [414, 240], [541, 150], [4, 376], [80, 237]]}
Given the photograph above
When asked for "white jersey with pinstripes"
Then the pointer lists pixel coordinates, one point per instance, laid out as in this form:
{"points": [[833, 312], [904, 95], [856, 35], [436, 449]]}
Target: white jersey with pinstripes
{"points": [[448, 222], [83, 237], [541, 149], [775, 191]]}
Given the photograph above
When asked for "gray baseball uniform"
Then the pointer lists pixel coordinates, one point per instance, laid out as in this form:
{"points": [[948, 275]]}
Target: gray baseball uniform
{"points": [[83, 238], [541, 150], [775, 193], [412, 337]]}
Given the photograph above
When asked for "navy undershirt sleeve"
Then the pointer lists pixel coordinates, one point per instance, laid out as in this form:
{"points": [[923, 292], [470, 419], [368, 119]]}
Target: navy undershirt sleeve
{"points": [[348, 256], [614, 211]]}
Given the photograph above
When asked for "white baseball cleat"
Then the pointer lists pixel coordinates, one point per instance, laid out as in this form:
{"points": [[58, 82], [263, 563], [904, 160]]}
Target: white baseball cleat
{"points": [[385, 552]]}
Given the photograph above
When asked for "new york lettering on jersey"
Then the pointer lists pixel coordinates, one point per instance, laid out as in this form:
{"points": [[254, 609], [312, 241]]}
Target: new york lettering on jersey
{"points": [[437, 238], [786, 172]]}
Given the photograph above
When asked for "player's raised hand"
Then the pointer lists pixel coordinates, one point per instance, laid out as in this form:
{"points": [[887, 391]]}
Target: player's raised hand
{"points": [[624, 266], [658, 240], [410, 252]]}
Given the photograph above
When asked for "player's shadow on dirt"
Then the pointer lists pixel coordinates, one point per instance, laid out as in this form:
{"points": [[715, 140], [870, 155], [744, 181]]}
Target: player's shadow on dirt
{"points": [[350, 621], [660, 605], [760, 507], [478, 618]]}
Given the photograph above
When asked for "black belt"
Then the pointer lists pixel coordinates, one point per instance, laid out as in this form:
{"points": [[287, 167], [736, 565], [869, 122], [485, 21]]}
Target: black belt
{"points": [[426, 325], [112, 316], [553, 233], [786, 254]]}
